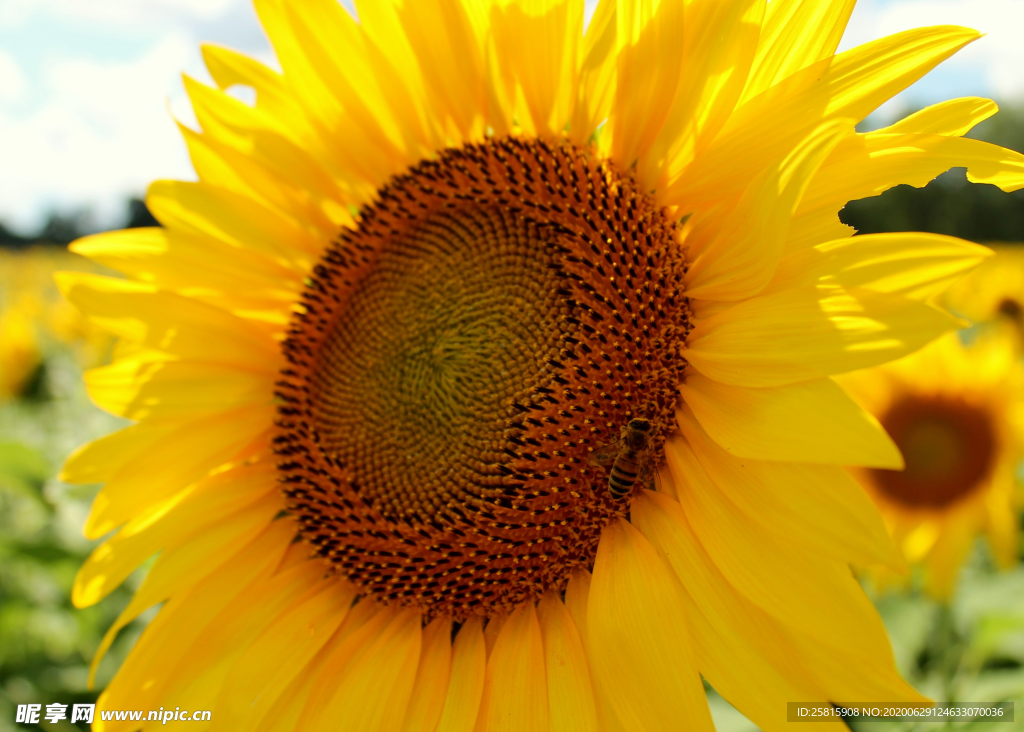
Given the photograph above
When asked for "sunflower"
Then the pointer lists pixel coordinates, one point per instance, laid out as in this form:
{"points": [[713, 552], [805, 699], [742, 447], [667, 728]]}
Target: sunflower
{"points": [[461, 263], [957, 414], [993, 295], [34, 318], [20, 353]]}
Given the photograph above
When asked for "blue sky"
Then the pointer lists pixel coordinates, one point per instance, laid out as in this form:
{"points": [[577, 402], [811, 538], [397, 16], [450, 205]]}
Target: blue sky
{"points": [[87, 87]]}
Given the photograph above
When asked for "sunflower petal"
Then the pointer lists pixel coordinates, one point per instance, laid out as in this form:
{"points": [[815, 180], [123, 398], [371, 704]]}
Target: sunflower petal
{"points": [[577, 597], [801, 504], [954, 117], [546, 68], [373, 688], [570, 698], [911, 264], [814, 599], [431, 685], [166, 321], [515, 689], [739, 649], [280, 653], [742, 257], [849, 85], [446, 41], [206, 505], [795, 34], [191, 264], [596, 74], [640, 648], [184, 456], [867, 165], [466, 686], [808, 422], [807, 333], [719, 38], [648, 67], [217, 582]]}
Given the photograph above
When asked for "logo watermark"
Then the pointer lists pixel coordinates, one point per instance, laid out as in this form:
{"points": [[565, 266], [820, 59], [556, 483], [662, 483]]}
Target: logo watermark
{"points": [[34, 714], [901, 711]]}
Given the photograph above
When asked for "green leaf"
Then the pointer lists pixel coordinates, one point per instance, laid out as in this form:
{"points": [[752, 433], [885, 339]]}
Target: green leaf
{"points": [[23, 470]]}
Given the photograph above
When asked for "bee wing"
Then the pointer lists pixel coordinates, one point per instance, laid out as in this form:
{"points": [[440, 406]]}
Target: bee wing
{"points": [[648, 472], [605, 455]]}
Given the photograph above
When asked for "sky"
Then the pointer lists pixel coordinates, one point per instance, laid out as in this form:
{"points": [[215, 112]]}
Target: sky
{"points": [[90, 89]]}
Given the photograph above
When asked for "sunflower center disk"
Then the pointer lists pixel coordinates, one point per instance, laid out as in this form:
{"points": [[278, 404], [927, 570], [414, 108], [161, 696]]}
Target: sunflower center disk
{"points": [[497, 315], [949, 447]]}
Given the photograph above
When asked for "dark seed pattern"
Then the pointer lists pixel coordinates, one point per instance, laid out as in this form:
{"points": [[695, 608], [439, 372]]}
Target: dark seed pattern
{"points": [[497, 313]]}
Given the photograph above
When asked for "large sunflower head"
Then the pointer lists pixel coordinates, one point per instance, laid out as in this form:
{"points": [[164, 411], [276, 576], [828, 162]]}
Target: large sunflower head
{"points": [[482, 381], [957, 414]]}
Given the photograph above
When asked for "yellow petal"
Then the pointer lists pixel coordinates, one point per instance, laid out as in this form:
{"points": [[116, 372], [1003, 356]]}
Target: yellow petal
{"points": [[372, 690], [742, 257], [545, 67], [465, 689], [719, 38], [596, 74], [201, 209], [795, 502], [335, 49], [806, 333], [273, 97], [220, 165], [195, 679], [146, 385], [814, 598], [515, 694], [851, 85], [946, 558], [295, 155], [647, 73], [739, 649], [807, 422], [197, 509], [218, 582], [912, 264], [640, 646], [184, 456], [795, 34], [953, 117], [279, 654], [431, 687], [191, 264], [447, 42], [99, 460], [570, 697], [577, 596], [293, 700], [867, 165], [166, 321]]}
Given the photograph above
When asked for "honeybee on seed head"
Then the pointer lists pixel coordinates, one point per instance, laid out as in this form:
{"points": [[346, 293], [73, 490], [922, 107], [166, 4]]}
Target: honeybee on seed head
{"points": [[631, 458]]}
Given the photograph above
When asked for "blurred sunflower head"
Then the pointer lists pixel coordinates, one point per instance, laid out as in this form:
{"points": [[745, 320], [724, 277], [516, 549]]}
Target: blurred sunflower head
{"points": [[993, 295], [20, 352], [408, 358], [957, 414]]}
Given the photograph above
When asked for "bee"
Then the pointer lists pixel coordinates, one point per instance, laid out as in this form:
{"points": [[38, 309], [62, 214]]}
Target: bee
{"points": [[631, 458]]}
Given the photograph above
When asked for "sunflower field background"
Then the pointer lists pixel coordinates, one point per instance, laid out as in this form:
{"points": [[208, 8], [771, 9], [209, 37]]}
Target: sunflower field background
{"points": [[966, 647]]}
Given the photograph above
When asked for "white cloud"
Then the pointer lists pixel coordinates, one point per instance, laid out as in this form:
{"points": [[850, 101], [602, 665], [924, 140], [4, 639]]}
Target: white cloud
{"points": [[120, 12], [103, 78], [103, 135], [12, 80], [994, 62]]}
